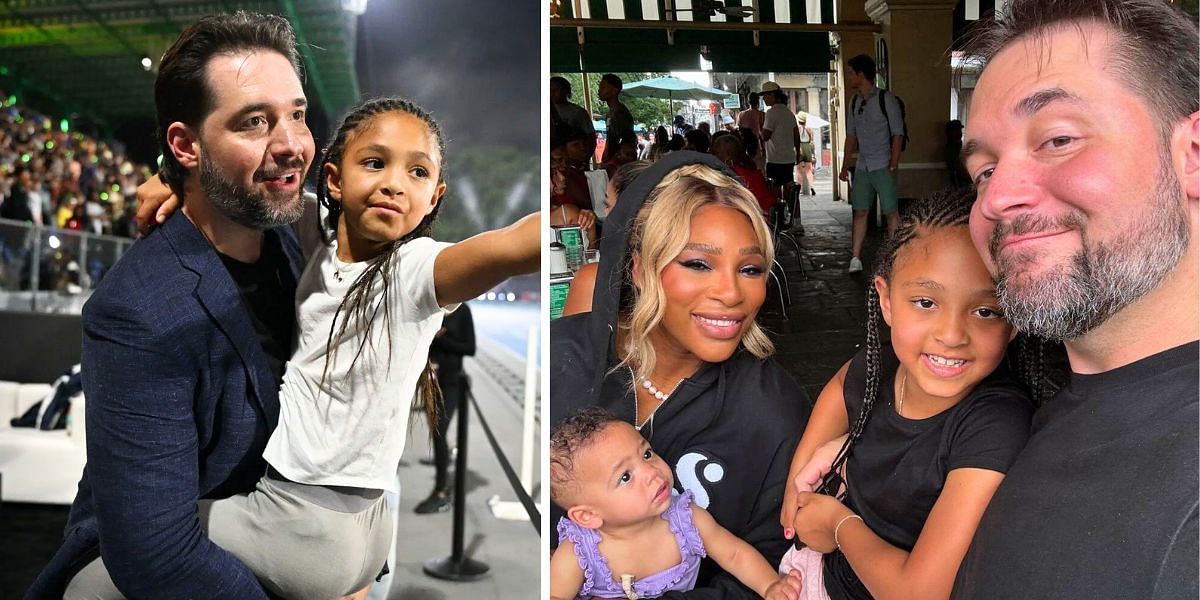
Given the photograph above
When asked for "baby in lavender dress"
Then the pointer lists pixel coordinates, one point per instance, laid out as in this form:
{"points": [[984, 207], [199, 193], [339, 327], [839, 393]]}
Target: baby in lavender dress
{"points": [[625, 534]]}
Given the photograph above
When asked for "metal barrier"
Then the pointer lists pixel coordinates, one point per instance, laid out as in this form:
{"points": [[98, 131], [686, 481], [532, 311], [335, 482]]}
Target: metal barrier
{"points": [[48, 269]]}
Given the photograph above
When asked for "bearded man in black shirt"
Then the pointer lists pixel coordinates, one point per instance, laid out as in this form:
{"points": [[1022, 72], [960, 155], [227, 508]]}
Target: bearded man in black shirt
{"points": [[1091, 232]]}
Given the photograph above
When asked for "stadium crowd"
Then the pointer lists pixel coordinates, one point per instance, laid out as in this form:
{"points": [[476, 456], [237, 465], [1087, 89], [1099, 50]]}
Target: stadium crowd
{"points": [[52, 176]]}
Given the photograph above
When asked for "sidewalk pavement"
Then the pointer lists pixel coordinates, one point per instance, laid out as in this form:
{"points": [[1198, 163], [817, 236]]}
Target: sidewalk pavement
{"points": [[826, 321]]}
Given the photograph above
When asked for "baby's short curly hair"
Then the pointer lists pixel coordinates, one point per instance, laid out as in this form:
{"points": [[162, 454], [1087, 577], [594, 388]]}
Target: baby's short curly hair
{"points": [[573, 434]]}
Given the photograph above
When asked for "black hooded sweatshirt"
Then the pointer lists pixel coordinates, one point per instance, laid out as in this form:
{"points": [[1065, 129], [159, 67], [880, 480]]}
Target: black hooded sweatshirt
{"points": [[728, 431]]}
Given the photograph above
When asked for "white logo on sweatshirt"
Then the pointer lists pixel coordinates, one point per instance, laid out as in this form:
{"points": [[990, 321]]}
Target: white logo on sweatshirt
{"points": [[692, 472]]}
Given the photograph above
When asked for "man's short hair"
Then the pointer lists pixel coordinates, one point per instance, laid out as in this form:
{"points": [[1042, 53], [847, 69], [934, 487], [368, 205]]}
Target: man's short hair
{"points": [[1154, 54], [613, 80], [753, 99], [560, 80], [181, 89], [863, 64]]}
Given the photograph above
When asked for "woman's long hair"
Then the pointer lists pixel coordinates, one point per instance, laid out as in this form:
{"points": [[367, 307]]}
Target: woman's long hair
{"points": [[656, 239], [357, 302]]}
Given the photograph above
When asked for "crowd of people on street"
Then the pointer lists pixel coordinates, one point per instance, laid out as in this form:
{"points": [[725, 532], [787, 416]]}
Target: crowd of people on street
{"points": [[772, 151]]}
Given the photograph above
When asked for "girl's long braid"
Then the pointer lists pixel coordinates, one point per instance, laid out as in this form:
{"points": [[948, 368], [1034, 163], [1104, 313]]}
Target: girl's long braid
{"points": [[1028, 361], [357, 302], [944, 209]]}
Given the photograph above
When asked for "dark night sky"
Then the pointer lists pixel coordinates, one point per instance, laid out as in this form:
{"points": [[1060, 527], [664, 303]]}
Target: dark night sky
{"points": [[475, 65]]}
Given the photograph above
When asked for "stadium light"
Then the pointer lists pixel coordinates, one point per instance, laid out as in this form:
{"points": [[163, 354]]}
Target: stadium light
{"points": [[355, 7]]}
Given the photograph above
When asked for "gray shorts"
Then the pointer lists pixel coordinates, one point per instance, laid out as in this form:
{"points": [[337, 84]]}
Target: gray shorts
{"points": [[297, 547]]}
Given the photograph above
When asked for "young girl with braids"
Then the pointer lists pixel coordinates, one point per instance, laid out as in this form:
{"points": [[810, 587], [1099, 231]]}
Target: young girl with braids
{"points": [[368, 306], [923, 429]]}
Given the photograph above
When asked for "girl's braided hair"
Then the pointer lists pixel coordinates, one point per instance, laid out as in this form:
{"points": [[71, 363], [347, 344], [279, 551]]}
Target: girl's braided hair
{"points": [[357, 302], [951, 208]]}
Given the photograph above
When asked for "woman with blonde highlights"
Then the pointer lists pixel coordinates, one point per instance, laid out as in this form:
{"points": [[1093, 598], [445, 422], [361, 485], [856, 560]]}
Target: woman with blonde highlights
{"points": [[673, 347]]}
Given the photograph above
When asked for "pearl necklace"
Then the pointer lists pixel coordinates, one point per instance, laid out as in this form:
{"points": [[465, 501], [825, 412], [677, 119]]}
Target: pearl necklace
{"points": [[658, 394], [654, 391]]}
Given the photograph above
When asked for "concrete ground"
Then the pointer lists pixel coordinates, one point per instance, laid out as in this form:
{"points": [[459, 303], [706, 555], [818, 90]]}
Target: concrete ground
{"points": [[511, 549]]}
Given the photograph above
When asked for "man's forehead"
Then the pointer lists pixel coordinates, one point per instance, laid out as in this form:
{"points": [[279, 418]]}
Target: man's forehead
{"points": [[1066, 61], [252, 77], [1052, 51]]}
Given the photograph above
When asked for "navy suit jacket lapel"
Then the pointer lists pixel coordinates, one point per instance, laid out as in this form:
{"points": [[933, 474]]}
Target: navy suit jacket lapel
{"points": [[217, 292]]}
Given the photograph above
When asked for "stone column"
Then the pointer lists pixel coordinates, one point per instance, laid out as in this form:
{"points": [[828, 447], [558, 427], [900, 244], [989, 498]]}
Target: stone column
{"points": [[918, 36]]}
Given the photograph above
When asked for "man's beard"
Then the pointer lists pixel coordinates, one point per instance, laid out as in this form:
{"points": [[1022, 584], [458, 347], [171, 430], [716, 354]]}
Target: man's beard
{"points": [[258, 211], [1102, 278]]}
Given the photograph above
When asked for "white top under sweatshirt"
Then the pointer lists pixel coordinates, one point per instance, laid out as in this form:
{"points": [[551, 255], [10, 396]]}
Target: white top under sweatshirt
{"points": [[351, 430]]}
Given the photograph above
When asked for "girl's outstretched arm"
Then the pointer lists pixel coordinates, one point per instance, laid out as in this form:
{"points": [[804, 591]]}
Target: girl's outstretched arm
{"points": [[887, 571], [477, 264], [827, 422], [741, 559], [566, 578]]}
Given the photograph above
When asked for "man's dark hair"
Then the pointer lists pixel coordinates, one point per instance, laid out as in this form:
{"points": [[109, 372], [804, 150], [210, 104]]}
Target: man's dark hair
{"points": [[1154, 54], [863, 64], [181, 91], [753, 99], [698, 140], [560, 80], [613, 80]]}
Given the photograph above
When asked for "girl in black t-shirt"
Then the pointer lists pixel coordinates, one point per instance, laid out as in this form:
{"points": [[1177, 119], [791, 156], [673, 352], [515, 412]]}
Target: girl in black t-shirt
{"points": [[921, 431]]}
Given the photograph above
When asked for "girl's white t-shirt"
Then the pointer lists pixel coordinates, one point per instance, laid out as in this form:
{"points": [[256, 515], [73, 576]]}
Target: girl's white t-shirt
{"points": [[351, 430]]}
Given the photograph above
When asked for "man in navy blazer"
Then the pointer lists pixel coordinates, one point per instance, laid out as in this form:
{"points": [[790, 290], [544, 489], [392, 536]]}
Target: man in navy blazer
{"points": [[186, 337]]}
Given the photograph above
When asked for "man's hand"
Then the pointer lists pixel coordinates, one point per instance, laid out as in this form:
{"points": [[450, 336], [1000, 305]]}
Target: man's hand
{"points": [[156, 202], [787, 588], [844, 175]]}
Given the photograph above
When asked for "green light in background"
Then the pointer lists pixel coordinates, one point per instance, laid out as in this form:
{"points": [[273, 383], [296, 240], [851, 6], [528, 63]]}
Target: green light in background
{"points": [[95, 159], [12, 99], [64, 126], [104, 196], [24, 158], [3, 70], [116, 188], [49, 145]]}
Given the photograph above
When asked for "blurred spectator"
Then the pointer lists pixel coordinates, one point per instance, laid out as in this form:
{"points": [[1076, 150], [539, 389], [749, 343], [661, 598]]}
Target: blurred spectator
{"points": [[659, 147], [696, 140], [16, 202], [44, 172]]}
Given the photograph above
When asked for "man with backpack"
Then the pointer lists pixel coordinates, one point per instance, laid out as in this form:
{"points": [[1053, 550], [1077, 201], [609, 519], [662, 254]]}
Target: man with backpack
{"points": [[875, 131]]}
